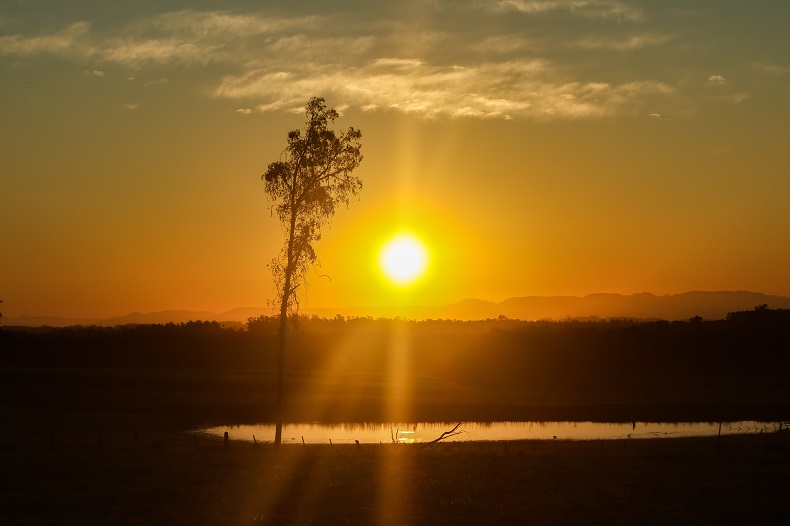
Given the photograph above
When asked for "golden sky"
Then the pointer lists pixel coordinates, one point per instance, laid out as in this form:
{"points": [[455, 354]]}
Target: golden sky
{"points": [[552, 147]]}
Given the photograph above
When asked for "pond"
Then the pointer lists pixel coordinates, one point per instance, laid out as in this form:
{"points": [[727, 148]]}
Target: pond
{"points": [[374, 433]]}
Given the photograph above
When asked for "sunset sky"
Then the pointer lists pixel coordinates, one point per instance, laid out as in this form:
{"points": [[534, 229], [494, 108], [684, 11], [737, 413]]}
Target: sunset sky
{"points": [[535, 147]]}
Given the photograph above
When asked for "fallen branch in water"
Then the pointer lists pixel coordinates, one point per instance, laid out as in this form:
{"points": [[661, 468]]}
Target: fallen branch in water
{"points": [[447, 434]]}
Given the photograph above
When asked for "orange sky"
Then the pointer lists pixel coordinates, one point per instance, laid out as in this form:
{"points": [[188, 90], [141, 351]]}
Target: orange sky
{"points": [[537, 148]]}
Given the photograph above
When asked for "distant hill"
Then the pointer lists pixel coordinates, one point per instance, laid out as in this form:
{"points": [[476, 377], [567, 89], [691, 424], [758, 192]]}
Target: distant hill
{"points": [[708, 305], [167, 316]]}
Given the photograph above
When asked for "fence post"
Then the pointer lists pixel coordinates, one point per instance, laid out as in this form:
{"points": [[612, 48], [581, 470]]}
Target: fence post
{"points": [[718, 440]]}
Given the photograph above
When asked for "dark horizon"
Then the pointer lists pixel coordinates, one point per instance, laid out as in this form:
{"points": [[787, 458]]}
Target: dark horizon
{"points": [[644, 305]]}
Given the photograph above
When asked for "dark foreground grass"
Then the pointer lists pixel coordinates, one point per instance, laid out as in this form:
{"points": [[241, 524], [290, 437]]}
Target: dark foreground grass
{"points": [[181, 479], [184, 398]]}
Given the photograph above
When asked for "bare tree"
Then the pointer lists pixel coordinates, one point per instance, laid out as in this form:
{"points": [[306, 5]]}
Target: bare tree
{"points": [[312, 177]]}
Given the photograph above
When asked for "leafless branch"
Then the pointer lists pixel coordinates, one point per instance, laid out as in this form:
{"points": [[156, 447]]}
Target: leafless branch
{"points": [[447, 434]]}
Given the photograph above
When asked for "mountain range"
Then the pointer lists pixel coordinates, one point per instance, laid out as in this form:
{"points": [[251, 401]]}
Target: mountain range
{"points": [[708, 305]]}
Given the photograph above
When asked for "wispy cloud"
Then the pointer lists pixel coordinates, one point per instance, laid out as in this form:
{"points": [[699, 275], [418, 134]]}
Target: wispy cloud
{"points": [[717, 80], [157, 82], [401, 63], [507, 44], [623, 44], [67, 41], [274, 63], [136, 53], [489, 90], [767, 68], [183, 37], [190, 24], [587, 8]]}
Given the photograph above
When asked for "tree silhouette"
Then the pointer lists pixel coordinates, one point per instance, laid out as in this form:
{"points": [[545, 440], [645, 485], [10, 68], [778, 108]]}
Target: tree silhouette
{"points": [[312, 177]]}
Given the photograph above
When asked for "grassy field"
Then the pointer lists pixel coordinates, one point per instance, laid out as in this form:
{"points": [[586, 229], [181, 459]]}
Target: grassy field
{"points": [[89, 436], [177, 399], [160, 478], [93, 446]]}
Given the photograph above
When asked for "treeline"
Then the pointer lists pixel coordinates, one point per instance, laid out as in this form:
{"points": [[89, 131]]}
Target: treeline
{"points": [[501, 352]]}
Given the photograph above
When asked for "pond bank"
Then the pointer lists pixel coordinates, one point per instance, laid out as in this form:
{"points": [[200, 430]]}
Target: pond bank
{"points": [[739, 479]]}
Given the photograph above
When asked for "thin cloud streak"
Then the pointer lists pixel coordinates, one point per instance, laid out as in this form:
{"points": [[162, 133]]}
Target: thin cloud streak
{"points": [[181, 37], [63, 42], [586, 8], [209, 24], [627, 44]]}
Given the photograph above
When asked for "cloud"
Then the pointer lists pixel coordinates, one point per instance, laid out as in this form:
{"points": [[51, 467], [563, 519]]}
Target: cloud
{"points": [[397, 63], [190, 24], [155, 51], [184, 37], [627, 44], [587, 8], [525, 88], [67, 41], [737, 98], [516, 44], [244, 111], [201, 37], [275, 63], [767, 68], [717, 80], [507, 44]]}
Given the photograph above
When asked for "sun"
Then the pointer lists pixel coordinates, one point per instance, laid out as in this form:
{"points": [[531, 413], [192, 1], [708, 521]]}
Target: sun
{"points": [[403, 259]]}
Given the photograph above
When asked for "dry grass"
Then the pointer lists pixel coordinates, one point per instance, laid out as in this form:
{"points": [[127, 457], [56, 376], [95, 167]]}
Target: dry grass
{"points": [[78, 480], [94, 471], [181, 399]]}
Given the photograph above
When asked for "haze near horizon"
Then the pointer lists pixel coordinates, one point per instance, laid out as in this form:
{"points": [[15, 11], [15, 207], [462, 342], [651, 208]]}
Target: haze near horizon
{"points": [[533, 148]]}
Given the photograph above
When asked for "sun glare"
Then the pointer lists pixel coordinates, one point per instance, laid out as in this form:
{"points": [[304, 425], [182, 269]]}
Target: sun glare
{"points": [[403, 259]]}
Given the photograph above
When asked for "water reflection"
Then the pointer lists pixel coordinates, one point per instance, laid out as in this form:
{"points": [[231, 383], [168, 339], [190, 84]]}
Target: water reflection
{"points": [[374, 433]]}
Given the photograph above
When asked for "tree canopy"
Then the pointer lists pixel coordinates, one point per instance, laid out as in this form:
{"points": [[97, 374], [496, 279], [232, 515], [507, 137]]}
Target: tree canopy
{"points": [[312, 177]]}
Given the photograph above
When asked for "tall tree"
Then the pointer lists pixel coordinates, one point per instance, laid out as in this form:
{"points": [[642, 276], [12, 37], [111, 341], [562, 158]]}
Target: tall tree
{"points": [[312, 177]]}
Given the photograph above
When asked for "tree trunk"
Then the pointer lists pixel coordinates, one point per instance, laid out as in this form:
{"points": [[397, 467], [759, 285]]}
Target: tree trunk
{"points": [[278, 433], [289, 268]]}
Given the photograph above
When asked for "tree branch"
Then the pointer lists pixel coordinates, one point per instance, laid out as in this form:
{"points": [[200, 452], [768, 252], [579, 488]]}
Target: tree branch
{"points": [[447, 434]]}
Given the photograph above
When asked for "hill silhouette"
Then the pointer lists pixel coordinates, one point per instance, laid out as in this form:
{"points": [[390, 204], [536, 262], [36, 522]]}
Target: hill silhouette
{"points": [[645, 306], [708, 305]]}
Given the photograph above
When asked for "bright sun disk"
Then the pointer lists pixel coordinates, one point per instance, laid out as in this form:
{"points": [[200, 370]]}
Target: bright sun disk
{"points": [[403, 259]]}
